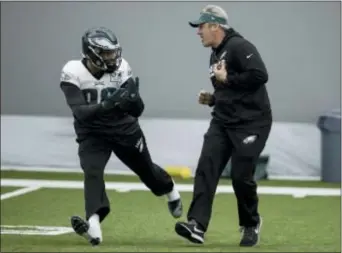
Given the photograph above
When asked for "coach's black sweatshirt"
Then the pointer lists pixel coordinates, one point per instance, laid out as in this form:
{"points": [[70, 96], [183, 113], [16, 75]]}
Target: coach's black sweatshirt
{"points": [[242, 100]]}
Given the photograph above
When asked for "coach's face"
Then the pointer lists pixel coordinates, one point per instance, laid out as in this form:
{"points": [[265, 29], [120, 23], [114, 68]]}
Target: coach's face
{"points": [[205, 31]]}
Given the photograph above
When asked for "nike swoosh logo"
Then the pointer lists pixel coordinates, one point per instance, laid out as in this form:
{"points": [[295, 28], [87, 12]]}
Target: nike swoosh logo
{"points": [[198, 231]]}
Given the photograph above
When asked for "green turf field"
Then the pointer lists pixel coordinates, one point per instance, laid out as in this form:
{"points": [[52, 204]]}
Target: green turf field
{"points": [[140, 221], [8, 189]]}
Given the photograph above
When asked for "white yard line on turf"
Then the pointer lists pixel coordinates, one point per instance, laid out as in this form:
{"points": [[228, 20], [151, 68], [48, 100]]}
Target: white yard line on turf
{"points": [[62, 170], [130, 173], [19, 192], [34, 230], [130, 186]]}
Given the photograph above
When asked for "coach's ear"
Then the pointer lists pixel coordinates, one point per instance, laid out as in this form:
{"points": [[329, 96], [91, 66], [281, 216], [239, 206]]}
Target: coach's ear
{"points": [[137, 82]]}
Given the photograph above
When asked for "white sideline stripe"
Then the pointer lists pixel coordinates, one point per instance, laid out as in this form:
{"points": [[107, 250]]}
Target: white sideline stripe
{"points": [[19, 192], [130, 173], [63, 170], [130, 186]]}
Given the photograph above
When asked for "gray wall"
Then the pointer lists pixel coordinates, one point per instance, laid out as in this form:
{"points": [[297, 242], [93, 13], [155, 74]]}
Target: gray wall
{"points": [[299, 41]]}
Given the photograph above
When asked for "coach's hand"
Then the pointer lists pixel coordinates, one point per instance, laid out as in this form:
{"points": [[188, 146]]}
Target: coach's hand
{"points": [[220, 71], [205, 98]]}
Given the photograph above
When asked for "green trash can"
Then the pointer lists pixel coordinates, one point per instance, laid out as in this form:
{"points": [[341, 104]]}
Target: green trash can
{"points": [[330, 127]]}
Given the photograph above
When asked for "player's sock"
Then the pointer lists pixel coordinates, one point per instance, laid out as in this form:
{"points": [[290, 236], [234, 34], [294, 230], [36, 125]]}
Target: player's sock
{"points": [[173, 195], [95, 227]]}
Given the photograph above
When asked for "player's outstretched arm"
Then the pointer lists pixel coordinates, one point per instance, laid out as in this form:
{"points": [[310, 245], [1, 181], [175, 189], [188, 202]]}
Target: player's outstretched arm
{"points": [[77, 103]]}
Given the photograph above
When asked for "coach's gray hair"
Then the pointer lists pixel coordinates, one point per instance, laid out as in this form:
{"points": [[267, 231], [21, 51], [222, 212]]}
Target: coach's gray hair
{"points": [[217, 11]]}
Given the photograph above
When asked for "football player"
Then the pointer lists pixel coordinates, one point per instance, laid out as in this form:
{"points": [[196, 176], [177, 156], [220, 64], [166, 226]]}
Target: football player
{"points": [[105, 102]]}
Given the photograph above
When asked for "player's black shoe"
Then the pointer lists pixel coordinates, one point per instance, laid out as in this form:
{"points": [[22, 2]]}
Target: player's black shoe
{"points": [[175, 208], [81, 228]]}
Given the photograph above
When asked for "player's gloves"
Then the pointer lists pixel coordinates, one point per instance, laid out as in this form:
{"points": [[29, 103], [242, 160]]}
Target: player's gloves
{"points": [[132, 87], [114, 99]]}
